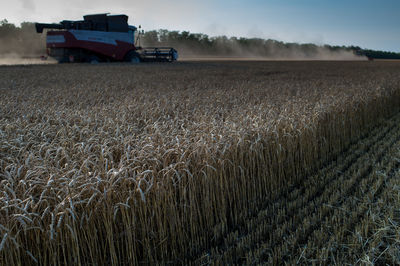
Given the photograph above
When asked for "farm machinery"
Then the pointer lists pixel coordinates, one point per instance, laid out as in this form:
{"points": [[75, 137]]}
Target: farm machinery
{"points": [[100, 38]]}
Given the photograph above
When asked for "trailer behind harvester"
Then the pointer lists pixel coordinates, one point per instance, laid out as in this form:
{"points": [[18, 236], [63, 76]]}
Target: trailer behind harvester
{"points": [[100, 38]]}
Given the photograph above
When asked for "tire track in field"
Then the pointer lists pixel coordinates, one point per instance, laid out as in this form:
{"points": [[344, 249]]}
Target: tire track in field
{"points": [[261, 228]]}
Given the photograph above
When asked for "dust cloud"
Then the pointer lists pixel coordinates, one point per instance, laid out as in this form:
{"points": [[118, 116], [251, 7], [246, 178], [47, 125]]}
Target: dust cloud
{"points": [[17, 52], [16, 59], [269, 52], [21, 45]]}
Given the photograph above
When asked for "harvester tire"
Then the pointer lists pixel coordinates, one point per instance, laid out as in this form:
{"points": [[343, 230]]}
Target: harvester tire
{"points": [[132, 57], [63, 60], [94, 60]]}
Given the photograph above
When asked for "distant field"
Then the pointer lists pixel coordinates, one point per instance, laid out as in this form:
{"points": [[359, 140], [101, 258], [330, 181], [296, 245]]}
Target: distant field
{"points": [[36, 60], [200, 162], [260, 58]]}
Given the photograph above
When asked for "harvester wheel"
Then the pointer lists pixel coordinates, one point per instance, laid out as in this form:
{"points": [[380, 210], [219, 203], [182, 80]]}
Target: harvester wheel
{"points": [[94, 60], [62, 60], [132, 57]]}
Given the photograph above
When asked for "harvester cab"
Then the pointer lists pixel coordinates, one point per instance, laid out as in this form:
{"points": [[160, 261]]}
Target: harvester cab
{"points": [[100, 37]]}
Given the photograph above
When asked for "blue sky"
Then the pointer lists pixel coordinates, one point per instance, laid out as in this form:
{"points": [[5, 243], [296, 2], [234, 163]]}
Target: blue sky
{"points": [[370, 23]]}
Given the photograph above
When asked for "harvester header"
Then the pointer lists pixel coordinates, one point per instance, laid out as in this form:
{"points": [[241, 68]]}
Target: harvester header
{"points": [[100, 37]]}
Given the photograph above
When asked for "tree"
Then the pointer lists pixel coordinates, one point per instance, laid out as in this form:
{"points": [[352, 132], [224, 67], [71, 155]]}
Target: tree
{"points": [[7, 30], [150, 38]]}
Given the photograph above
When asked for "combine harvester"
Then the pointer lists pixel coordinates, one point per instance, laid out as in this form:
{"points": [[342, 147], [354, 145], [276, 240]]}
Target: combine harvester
{"points": [[100, 38]]}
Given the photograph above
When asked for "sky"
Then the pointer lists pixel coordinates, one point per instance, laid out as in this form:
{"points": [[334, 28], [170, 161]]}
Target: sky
{"points": [[372, 24]]}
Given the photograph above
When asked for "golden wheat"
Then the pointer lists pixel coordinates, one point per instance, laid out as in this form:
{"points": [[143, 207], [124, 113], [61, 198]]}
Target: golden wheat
{"points": [[118, 164]]}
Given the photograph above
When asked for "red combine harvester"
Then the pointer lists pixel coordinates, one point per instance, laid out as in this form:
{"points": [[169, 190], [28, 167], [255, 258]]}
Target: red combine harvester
{"points": [[100, 38]]}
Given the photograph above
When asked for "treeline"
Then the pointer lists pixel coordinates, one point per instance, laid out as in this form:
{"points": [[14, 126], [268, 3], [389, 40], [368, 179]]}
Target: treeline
{"points": [[379, 54], [24, 41], [201, 44]]}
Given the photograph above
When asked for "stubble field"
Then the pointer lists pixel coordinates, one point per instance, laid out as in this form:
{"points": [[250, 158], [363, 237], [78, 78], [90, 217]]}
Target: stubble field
{"points": [[200, 163]]}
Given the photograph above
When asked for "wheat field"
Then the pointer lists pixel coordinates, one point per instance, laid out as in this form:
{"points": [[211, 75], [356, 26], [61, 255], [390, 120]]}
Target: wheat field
{"points": [[200, 163]]}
